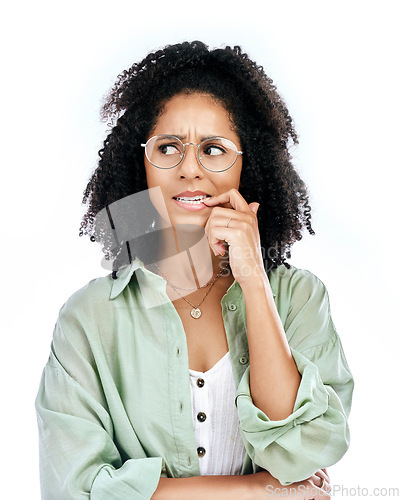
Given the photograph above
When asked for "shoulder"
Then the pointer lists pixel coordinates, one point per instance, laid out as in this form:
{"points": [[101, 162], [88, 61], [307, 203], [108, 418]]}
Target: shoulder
{"points": [[90, 300], [295, 281], [303, 304], [82, 320]]}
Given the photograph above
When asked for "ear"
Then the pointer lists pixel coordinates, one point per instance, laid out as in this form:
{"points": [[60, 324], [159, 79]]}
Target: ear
{"points": [[254, 206]]}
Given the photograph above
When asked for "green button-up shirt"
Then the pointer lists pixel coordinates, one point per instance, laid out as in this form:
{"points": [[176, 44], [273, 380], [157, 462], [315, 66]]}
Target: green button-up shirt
{"points": [[114, 406]]}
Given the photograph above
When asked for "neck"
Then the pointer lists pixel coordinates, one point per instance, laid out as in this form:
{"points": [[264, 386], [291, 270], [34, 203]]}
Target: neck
{"points": [[185, 257]]}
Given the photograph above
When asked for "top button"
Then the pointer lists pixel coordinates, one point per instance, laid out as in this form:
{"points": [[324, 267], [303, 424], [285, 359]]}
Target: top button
{"points": [[232, 307], [200, 382], [243, 360]]}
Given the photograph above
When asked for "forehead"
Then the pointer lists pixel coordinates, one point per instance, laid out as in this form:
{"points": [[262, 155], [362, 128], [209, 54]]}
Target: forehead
{"points": [[189, 113]]}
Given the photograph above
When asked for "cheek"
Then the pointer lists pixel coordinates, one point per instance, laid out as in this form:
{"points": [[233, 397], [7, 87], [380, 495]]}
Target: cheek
{"points": [[234, 181], [153, 177], [154, 185], [239, 179], [149, 174], [157, 199]]}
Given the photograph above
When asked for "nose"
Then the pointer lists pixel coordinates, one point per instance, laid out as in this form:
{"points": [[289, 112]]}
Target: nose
{"points": [[190, 167]]}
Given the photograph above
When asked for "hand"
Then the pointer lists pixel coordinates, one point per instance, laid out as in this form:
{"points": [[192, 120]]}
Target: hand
{"points": [[319, 484], [263, 486], [242, 234]]}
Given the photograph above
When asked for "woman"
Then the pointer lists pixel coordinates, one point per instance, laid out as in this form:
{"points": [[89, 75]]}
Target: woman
{"points": [[205, 363]]}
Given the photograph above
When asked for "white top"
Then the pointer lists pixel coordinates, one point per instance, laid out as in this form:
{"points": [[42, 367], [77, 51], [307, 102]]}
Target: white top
{"points": [[215, 418]]}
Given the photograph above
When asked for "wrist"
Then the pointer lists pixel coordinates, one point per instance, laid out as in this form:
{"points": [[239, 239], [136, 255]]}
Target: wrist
{"points": [[258, 286], [251, 277], [259, 484]]}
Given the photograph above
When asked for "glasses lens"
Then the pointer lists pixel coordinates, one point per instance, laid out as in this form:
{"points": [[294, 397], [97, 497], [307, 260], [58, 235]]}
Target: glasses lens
{"points": [[217, 154], [164, 151]]}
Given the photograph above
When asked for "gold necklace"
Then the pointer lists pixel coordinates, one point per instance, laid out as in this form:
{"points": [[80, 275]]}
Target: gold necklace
{"points": [[195, 313]]}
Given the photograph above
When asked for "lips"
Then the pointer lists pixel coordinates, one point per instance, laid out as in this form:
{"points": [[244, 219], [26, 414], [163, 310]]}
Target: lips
{"points": [[191, 194]]}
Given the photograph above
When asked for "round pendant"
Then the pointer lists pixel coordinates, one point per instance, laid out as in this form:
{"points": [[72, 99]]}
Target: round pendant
{"points": [[195, 313]]}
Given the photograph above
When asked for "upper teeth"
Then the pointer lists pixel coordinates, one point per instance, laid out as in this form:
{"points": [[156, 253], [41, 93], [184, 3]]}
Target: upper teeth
{"points": [[193, 198]]}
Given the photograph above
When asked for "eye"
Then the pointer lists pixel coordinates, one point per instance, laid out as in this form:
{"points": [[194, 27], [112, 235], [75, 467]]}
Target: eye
{"points": [[213, 150], [169, 149]]}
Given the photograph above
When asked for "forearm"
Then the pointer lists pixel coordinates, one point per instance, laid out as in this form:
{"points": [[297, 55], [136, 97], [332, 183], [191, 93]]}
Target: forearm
{"points": [[247, 487], [200, 487], [274, 378]]}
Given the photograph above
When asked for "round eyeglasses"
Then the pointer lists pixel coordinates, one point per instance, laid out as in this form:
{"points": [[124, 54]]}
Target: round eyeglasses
{"points": [[215, 154]]}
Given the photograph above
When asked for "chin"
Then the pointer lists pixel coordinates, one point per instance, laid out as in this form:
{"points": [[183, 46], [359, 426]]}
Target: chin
{"points": [[189, 224]]}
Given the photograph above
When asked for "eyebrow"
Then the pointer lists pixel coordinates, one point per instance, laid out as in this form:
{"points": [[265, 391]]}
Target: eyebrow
{"points": [[204, 138]]}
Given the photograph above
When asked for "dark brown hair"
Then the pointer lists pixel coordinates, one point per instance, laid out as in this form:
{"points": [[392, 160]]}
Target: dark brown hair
{"points": [[260, 119]]}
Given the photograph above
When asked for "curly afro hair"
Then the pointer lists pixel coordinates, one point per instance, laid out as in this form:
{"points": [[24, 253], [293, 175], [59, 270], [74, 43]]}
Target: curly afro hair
{"points": [[259, 116]]}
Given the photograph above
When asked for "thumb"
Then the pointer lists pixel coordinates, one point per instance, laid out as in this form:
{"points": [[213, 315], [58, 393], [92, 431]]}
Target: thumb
{"points": [[254, 206]]}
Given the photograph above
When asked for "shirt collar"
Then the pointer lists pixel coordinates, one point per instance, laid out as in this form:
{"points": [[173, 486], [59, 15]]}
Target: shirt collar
{"points": [[124, 275]]}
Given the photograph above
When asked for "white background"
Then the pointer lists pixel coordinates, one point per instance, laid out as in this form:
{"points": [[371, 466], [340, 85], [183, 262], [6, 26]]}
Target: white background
{"points": [[335, 65]]}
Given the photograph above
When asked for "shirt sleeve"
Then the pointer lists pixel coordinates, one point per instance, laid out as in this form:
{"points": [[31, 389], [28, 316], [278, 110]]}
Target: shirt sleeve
{"points": [[78, 456], [316, 434]]}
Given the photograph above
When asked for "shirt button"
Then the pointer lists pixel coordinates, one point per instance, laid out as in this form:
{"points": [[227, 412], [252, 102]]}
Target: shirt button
{"points": [[201, 416], [201, 451], [243, 360], [200, 382], [232, 307]]}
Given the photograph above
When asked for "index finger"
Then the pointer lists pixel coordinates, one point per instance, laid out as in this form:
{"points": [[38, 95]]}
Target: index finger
{"points": [[232, 196]]}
